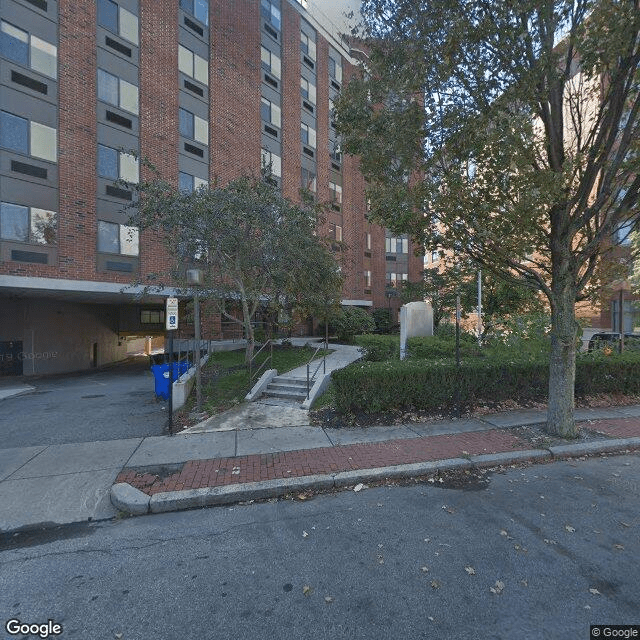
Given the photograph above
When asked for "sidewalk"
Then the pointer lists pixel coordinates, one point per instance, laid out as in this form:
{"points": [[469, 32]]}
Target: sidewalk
{"points": [[44, 486], [226, 467]]}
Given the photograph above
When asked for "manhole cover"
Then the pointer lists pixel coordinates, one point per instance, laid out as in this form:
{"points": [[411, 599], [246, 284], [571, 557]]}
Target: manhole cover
{"points": [[99, 395]]}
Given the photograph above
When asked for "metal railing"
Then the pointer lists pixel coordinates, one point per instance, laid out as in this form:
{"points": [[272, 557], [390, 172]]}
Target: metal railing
{"points": [[323, 362], [184, 350], [254, 374]]}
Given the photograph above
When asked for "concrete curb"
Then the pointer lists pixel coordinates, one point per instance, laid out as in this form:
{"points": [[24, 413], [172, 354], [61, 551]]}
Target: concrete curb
{"points": [[127, 498], [133, 501], [597, 446], [5, 394]]}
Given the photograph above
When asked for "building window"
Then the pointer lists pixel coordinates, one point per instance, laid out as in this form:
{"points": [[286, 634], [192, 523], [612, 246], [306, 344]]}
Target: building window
{"points": [[367, 279], [152, 316], [393, 279], [435, 256], [308, 46], [118, 92], [336, 192], [188, 183], [630, 318], [335, 70], [269, 158], [192, 65], [335, 151], [28, 50], [118, 20], [31, 138], [271, 113], [271, 62], [309, 181], [271, 13], [193, 127], [367, 241], [396, 245], [308, 135], [117, 165], [27, 224], [308, 90], [118, 238], [199, 9]]}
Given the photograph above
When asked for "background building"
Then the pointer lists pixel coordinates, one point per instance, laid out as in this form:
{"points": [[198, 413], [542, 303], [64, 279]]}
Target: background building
{"points": [[204, 90]]}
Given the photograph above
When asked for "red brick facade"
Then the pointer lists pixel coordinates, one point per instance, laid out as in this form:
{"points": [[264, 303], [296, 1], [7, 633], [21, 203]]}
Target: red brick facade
{"points": [[235, 131]]}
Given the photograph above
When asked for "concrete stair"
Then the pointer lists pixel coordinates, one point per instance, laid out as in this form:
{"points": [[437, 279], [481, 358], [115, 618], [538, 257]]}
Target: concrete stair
{"points": [[287, 388]]}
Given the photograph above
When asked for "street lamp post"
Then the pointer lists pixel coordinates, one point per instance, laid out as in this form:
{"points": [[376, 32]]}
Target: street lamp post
{"points": [[194, 279], [623, 285]]}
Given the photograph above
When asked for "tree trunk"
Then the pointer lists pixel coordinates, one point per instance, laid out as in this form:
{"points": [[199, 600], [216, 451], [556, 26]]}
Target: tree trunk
{"points": [[248, 329], [562, 365]]}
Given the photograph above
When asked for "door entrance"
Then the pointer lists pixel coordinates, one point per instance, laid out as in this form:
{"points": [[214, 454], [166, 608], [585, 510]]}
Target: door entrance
{"points": [[11, 358]]}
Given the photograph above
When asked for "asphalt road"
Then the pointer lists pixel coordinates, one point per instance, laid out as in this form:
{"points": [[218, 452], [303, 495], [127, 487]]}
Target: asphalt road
{"points": [[108, 404], [558, 544]]}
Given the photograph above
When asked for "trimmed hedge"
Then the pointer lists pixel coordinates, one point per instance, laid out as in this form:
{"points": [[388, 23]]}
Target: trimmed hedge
{"points": [[377, 348], [420, 384]]}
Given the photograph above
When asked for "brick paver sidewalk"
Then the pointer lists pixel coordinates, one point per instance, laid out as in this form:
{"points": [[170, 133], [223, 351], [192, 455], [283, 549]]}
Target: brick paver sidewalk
{"points": [[325, 460], [197, 474]]}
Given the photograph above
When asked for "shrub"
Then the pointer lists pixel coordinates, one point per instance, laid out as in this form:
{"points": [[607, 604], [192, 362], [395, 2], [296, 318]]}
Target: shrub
{"points": [[432, 347], [384, 320], [447, 330], [376, 348], [528, 335], [350, 322], [426, 385]]}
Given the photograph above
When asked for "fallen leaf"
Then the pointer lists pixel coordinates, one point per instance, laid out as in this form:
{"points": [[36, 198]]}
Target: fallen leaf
{"points": [[380, 560], [118, 635], [497, 588], [470, 570], [302, 496], [524, 583], [307, 590], [586, 606], [328, 599], [305, 534], [619, 547], [424, 569], [430, 618], [435, 584], [625, 524], [431, 480], [595, 592], [569, 528], [503, 532], [235, 471], [547, 541], [358, 487]]}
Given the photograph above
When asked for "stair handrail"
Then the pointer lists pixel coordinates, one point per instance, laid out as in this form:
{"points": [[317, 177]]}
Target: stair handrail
{"points": [[323, 362], [254, 374]]}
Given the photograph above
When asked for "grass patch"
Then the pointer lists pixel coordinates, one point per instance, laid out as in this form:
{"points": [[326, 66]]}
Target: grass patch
{"points": [[327, 399], [223, 387]]}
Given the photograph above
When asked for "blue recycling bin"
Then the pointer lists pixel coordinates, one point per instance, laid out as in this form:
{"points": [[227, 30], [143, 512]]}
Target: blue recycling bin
{"points": [[161, 376]]}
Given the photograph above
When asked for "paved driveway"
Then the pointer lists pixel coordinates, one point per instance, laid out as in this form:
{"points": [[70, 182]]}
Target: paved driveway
{"points": [[114, 403]]}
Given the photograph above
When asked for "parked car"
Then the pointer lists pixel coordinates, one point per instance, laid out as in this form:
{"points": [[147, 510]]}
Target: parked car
{"points": [[611, 340]]}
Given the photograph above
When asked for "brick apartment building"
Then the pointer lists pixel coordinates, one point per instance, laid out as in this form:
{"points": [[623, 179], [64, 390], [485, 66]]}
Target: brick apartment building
{"points": [[203, 89]]}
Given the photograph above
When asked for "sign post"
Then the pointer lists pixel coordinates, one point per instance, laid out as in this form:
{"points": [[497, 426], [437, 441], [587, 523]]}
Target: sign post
{"points": [[171, 320]]}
